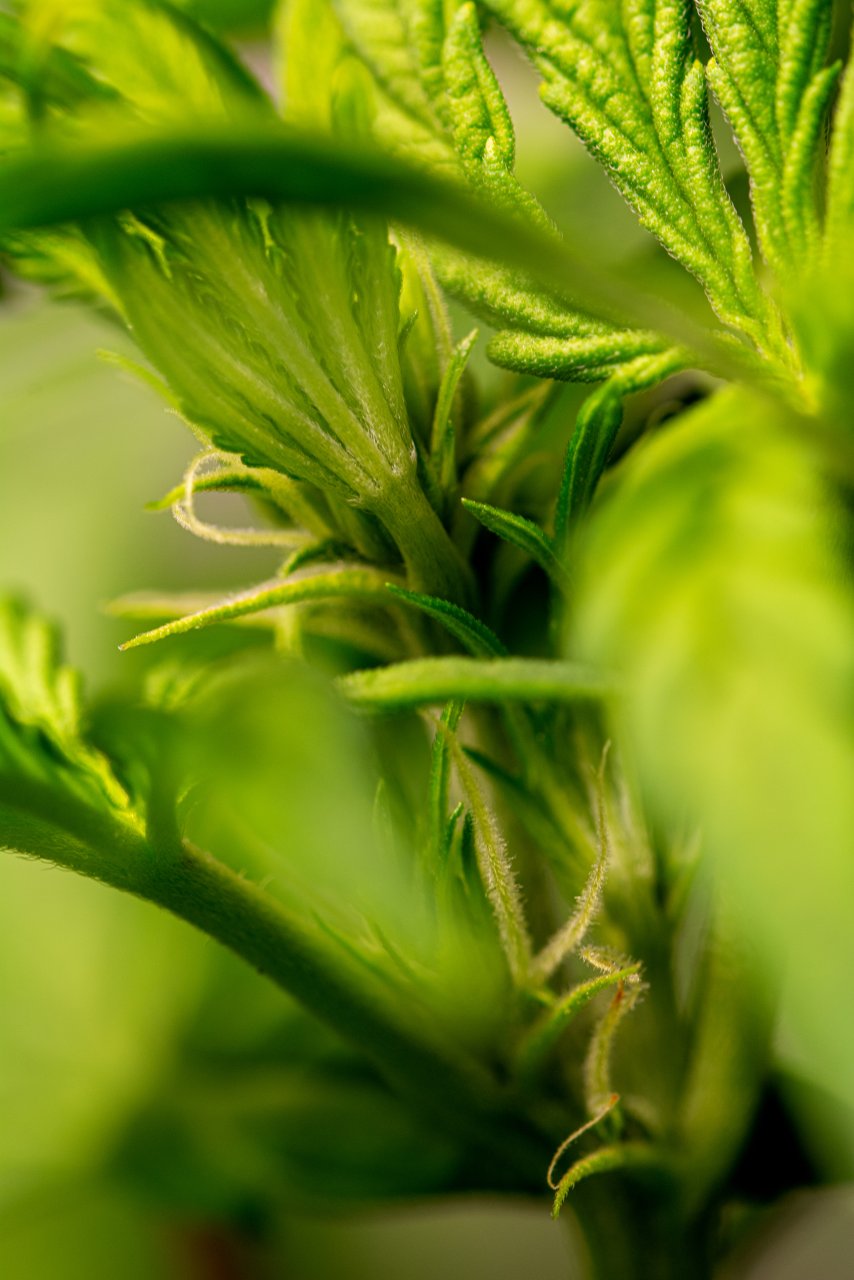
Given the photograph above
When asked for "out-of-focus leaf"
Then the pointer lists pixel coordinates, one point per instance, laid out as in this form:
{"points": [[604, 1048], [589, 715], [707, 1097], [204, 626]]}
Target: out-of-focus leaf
{"points": [[712, 585], [190, 73], [840, 186], [230, 15], [40, 710], [304, 1134], [56, 184], [424, 681], [269, 747]]}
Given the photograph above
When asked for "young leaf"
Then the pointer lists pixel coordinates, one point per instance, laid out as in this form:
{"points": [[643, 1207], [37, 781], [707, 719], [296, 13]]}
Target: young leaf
{"points": [[192, 73], [521, 533], [473, 635], [444, 435], [597, 1064], [544, 1034], [400, 50], [570, 935], [596, 429], [497, 875], [362, 584], [425, 681], [712, 585], [624, 1155], [439, 826], [59, 797], [629, 85], [768, 73], [310, 47], [41, 710], [840, 177]]}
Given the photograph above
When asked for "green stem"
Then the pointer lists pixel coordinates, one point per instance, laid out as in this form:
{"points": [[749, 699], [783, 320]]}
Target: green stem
{"points": [[632, 1234], [433, 563], [448, 1085], [454, 1089]]}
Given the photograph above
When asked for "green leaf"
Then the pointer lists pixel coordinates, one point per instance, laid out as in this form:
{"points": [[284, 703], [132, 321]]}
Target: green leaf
{"points": [[425, 681], [402, 44], [521, 533], [55, 75], [620, 1156], [712, 585], [476, 104], [41, 712], [59, 797], [588, 353], [278, 164], [362, 584], [154, 58], [629, 85], [547, 1030], [497, 874], [596, 430], [444, 433], [768, 73], [216, 482], [840, 177], [598, 1086], [310, 49], [473, 635], [440, 830], [569, 937]]}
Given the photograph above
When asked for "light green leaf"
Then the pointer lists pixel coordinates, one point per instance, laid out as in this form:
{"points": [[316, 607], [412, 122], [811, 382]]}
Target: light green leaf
{"points": [[768, 73], [310, 46], [712, 585], [349, 583], [445, 430], [626, 79], [521, 533], [158, 61], [473, 635], [279, 164], [440, 830], [42, 733], [397, 43], [477, 107], [425, 681], [840, 179]]}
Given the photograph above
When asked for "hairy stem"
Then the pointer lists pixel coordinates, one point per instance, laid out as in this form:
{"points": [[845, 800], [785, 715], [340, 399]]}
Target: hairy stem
{"points": [[433, 563], [446, 1084]]}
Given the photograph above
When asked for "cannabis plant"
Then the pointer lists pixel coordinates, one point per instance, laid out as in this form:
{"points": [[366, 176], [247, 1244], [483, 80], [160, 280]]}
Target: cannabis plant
{"points": [[527, 773]]}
